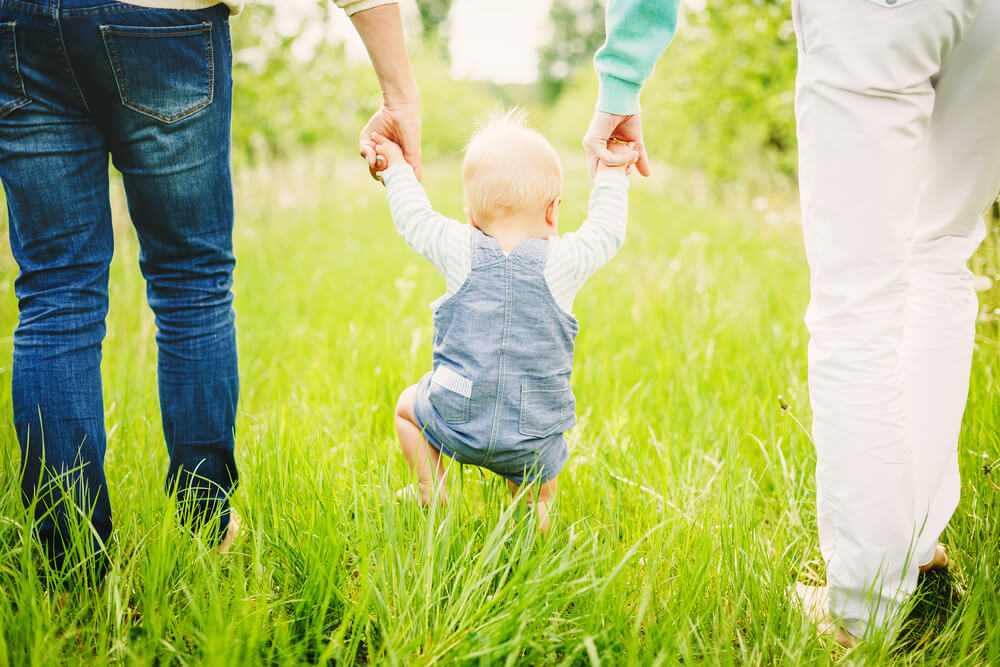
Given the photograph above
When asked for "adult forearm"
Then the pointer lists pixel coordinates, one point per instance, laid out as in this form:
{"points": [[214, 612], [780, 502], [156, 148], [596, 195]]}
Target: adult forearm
{"points": [[637, 33], [381, 29]]}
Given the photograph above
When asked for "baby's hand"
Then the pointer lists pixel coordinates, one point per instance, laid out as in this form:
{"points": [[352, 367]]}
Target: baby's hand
{"points": [[622, 149], [387, 152]]}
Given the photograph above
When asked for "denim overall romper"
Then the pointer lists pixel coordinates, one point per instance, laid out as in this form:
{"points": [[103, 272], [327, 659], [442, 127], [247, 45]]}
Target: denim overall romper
{"points": [[499, 396]]}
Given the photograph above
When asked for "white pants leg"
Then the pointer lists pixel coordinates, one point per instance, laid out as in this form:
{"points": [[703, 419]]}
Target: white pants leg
{"points": [[872, 79], [961, 176]]}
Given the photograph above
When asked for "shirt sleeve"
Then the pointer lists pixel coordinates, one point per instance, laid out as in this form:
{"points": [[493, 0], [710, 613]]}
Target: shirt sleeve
{"points": [[355, 6], [638, 31], [440, 240], [578, 255]]}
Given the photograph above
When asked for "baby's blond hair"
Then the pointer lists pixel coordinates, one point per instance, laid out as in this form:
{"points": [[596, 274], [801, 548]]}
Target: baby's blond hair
{"points": [[509, 168]]}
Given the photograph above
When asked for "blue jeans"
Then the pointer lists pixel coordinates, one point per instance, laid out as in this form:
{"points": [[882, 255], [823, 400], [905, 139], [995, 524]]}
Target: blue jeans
{"points": [[81, 80]]}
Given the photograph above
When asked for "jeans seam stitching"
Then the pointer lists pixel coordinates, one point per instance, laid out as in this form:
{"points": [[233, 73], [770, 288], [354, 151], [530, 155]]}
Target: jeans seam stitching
{"points": [[13, 64], [103, 9], [24, 7], [111, 30], [64, 56]]}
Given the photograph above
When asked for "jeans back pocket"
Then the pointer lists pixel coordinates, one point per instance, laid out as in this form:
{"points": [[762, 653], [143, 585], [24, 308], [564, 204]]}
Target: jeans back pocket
{"points": [[545, 408], [451, 395], [12, 95], [166, 73]]}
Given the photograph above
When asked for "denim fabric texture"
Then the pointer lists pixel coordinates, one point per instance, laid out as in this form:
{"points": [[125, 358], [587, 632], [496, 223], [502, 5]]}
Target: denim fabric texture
{"points": [[82, 80], [499, 396]]}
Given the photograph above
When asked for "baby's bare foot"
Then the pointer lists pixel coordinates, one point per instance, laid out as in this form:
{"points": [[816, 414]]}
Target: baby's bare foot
{"points": [[410, 494], [939, 562], [413, 493]]}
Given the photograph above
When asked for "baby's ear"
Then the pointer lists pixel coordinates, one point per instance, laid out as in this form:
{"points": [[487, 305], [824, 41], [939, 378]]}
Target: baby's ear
{"points": [[552, 212]]}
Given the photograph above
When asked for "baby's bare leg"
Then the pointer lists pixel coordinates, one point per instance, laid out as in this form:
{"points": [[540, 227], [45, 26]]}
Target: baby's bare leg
{"points": [[542, 503], [423, 458]]}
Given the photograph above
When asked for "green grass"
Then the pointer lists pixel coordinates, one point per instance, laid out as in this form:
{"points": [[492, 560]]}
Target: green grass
{"points": [[685, 512]]}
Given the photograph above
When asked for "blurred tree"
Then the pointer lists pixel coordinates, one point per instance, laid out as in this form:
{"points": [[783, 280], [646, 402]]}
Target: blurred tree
{"points": [[289, 100], [433, 14], [247, 33], [285, 103], [730, 75], [577, 32]]}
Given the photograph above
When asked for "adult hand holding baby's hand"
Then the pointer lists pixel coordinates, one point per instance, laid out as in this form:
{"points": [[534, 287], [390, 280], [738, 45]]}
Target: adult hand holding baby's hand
{"points": [[623, 155], [386, 152], [399, 124], [606, 127]]}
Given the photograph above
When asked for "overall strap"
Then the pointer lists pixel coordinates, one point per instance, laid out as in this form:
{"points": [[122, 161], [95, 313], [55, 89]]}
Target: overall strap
{"points": [[484, 250], [531, 254]]}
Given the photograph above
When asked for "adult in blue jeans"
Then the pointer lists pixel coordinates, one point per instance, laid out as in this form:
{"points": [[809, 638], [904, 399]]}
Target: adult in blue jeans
{"points": [[151, 87]]}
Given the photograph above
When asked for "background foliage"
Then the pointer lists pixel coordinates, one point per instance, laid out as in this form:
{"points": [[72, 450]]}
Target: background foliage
{"points": [[577, 33], [719, 101]]}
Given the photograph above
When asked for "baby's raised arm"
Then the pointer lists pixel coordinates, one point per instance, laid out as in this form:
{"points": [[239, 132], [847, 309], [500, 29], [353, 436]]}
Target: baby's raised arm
{"points": [[578, 255], [440, 240]]}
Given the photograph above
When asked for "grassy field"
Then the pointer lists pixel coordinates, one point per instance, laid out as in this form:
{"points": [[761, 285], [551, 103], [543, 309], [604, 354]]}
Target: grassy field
{"points": [[684, 514]]}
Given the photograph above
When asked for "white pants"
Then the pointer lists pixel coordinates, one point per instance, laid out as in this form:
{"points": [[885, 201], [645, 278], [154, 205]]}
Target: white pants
{"points": [[898, 111]]}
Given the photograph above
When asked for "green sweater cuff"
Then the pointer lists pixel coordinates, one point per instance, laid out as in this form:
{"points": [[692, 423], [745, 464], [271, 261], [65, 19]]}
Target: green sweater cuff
{"points": [[618, 96]]}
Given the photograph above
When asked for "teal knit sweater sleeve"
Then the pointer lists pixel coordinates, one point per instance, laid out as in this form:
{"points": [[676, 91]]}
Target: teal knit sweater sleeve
{"points": [[637, 33]]}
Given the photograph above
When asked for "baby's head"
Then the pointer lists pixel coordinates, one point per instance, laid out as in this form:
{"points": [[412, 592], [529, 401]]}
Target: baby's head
{"points": [[512, 177]]}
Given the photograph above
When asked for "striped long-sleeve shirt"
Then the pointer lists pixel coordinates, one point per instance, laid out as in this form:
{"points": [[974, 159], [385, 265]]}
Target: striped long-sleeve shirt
{"points": [[572, 258]]}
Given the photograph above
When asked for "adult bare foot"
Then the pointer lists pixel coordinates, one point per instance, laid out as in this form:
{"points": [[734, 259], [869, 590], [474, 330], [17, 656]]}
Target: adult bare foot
{"points": [[939, 562], [233, 532], [813, 602]]}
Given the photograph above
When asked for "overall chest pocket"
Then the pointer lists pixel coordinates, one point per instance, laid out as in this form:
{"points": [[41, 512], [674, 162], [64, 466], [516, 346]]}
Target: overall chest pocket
{"points": [[166, 73], [451, 395], [545, 408], [12, 95]]}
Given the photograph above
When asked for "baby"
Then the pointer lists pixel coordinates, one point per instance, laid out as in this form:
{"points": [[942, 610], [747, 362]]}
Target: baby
{"points": [[499, 394]]}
